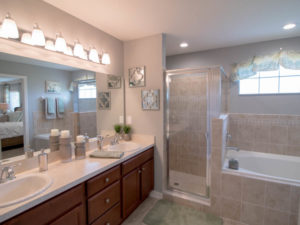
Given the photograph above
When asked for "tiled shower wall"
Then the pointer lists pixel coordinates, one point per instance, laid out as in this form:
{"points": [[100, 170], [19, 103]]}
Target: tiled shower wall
{"points": [[277, 134]]}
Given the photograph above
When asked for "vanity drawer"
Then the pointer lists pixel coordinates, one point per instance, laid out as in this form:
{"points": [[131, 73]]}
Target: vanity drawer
{"points": [[104, 200], [112, 217], [135, 162], [103, 180]]}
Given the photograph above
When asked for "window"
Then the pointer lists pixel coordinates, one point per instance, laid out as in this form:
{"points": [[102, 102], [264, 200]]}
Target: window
{"points": [[87, 90], [282, 81]]}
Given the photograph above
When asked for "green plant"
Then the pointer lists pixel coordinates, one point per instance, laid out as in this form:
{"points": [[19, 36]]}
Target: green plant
{"points": [[118, 128], [127, 129]]}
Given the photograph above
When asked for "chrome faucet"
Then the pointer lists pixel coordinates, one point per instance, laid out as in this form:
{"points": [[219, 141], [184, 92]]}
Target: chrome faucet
{"points": [[115, 140], [100, 140], [7, 173]]}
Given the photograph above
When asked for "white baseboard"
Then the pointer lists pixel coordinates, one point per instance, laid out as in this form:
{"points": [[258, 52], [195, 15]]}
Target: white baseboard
{"points": [[156, 194]]}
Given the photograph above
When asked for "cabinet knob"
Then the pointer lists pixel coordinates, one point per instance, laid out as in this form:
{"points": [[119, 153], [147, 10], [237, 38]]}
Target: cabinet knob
{"points": [[139, 171], [107, 179], [107, 223], [143, 169], [107, 200]]}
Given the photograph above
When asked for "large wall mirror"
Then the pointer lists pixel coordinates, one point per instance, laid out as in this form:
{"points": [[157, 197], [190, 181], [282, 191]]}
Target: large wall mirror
{"points": [[37, 96]]}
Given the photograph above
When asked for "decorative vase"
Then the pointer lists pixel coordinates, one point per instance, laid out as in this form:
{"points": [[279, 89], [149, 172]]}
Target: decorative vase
{"points": [[127, 137]]}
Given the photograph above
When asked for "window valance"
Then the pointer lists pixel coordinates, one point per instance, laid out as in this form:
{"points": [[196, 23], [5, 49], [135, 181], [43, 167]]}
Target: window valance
{"points": [[271, 62]]}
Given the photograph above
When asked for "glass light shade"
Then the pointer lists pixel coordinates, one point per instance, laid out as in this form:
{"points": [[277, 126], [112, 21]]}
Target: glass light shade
{"points": [[37, 36], [78, 50], [105, 59], [84, 55], [26, 38], [60, 44], [93, 55], [9, 27], [2, 34], [69, 51], [50, 45]]}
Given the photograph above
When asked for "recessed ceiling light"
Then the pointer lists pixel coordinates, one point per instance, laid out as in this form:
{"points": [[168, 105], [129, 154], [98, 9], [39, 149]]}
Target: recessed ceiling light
{"points": [[289, 26], [184, 45]]}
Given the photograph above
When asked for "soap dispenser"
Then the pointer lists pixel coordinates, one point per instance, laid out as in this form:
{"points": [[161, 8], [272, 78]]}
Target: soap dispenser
{"points": [[43, 161]]}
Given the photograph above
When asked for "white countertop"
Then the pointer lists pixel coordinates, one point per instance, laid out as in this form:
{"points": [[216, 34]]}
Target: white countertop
{"points": [[68, 175]]}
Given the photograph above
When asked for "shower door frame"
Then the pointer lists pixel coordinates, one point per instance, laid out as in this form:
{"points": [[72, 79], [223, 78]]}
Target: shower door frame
{"points": [[168, 74]]}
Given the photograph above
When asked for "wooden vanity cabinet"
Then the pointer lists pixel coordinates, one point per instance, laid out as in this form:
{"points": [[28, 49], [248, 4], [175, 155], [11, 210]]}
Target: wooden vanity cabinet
{"points": [[107, 198], [137, 181], [66, 208]]}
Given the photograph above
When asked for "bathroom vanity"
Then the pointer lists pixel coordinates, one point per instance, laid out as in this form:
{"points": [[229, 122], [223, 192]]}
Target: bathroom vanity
{"points": [[106, 195]]}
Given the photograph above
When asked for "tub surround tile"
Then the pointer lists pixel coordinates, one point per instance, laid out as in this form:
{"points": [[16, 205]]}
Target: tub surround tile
{"points": [[279, 134], [274, 217], [293, 219], [295, 199], [252, 214], [253, 191], [278, 196], [231, 186], [293, 135], [231, 209]]}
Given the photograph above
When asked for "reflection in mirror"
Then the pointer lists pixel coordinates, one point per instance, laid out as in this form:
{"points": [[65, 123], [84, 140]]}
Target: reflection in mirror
{"points": [[36, 97]]}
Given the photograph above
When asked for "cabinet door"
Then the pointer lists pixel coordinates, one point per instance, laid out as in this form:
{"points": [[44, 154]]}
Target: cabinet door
{"points": [[147, 178], [74, 217], [131, 192]]}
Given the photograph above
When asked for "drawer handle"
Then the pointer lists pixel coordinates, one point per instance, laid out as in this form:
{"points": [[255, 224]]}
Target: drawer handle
{"points": [[107, 223], [107, 179], [143, 169], [107, 200]]}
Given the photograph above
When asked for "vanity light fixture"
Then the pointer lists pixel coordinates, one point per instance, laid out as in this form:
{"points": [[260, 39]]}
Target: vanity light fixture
{"points": [[84, 55], [50, 45], [289, 26], [37, 36], [78, 50], [9, 28], [105, 59], [93, 55], [26, 38], [60, 43], [183, 45], [69, 51], [2, 34]]}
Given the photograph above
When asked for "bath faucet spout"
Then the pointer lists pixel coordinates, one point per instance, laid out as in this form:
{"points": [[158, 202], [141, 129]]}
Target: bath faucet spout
{"points": [[233, 148]]}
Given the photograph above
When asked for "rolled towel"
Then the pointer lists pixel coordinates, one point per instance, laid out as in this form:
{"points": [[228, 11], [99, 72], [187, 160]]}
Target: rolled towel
{"points": [[107, 154]]}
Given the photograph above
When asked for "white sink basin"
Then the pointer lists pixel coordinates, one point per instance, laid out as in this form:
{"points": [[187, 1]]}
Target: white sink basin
{"points": [[23, 188], [124, 147]]}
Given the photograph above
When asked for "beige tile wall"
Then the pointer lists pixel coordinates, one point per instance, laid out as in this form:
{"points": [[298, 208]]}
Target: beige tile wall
{"points": [[279, 134]]}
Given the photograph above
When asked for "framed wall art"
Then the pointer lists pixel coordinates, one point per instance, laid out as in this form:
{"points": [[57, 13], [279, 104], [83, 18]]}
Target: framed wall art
{"points": [[53, 87], [137, 77], [114, 82], [104, 100], [150, 99]]}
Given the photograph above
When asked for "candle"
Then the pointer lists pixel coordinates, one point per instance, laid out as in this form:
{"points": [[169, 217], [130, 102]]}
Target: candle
{"points": [[65, 134], [80, 139], [54, 132]]}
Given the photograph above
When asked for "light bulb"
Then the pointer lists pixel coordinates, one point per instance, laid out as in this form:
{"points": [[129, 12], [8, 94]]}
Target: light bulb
{"points": [[105, 59], [2, 33], [9, 28], [78, 50], [84, 55], [26, 38], [69, 51], [37, 36], [50, 45], [93, 55], [60, 43]]}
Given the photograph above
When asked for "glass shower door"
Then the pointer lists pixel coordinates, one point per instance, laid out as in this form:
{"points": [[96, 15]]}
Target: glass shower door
{"points": [[187, 130]]}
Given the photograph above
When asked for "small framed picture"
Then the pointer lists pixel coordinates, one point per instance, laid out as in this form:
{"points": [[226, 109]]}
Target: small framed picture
{"points": [[114, 82], [150, 99], [53, 87], [137, 76], [104, 100]]}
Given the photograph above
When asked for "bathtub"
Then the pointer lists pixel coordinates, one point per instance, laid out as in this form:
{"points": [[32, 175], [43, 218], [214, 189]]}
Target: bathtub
{"points": [[266, 166]]}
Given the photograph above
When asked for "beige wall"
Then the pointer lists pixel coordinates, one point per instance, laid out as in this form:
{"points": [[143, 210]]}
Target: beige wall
{"points": [[147, 52]]}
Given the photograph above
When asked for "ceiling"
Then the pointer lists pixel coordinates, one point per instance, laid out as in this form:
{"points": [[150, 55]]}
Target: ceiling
{"points": [[204, 24]]}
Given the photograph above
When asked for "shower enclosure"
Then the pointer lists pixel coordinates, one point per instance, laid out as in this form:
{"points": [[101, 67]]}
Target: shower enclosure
{"points": [[193, 98]]}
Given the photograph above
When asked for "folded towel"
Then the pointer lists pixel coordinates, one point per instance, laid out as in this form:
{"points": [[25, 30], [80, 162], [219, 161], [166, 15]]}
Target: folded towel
{"points": [[61, 106], [51, 105], [107, 154]]}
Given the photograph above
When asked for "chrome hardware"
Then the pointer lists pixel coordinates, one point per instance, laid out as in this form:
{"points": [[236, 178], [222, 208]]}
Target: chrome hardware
{"points": [[143, 169], [43, 160], [115, 140], [232, 148], [10, 174], [107, 200], [139, 171], [107, 179], [100, 140], [107, 224]]}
